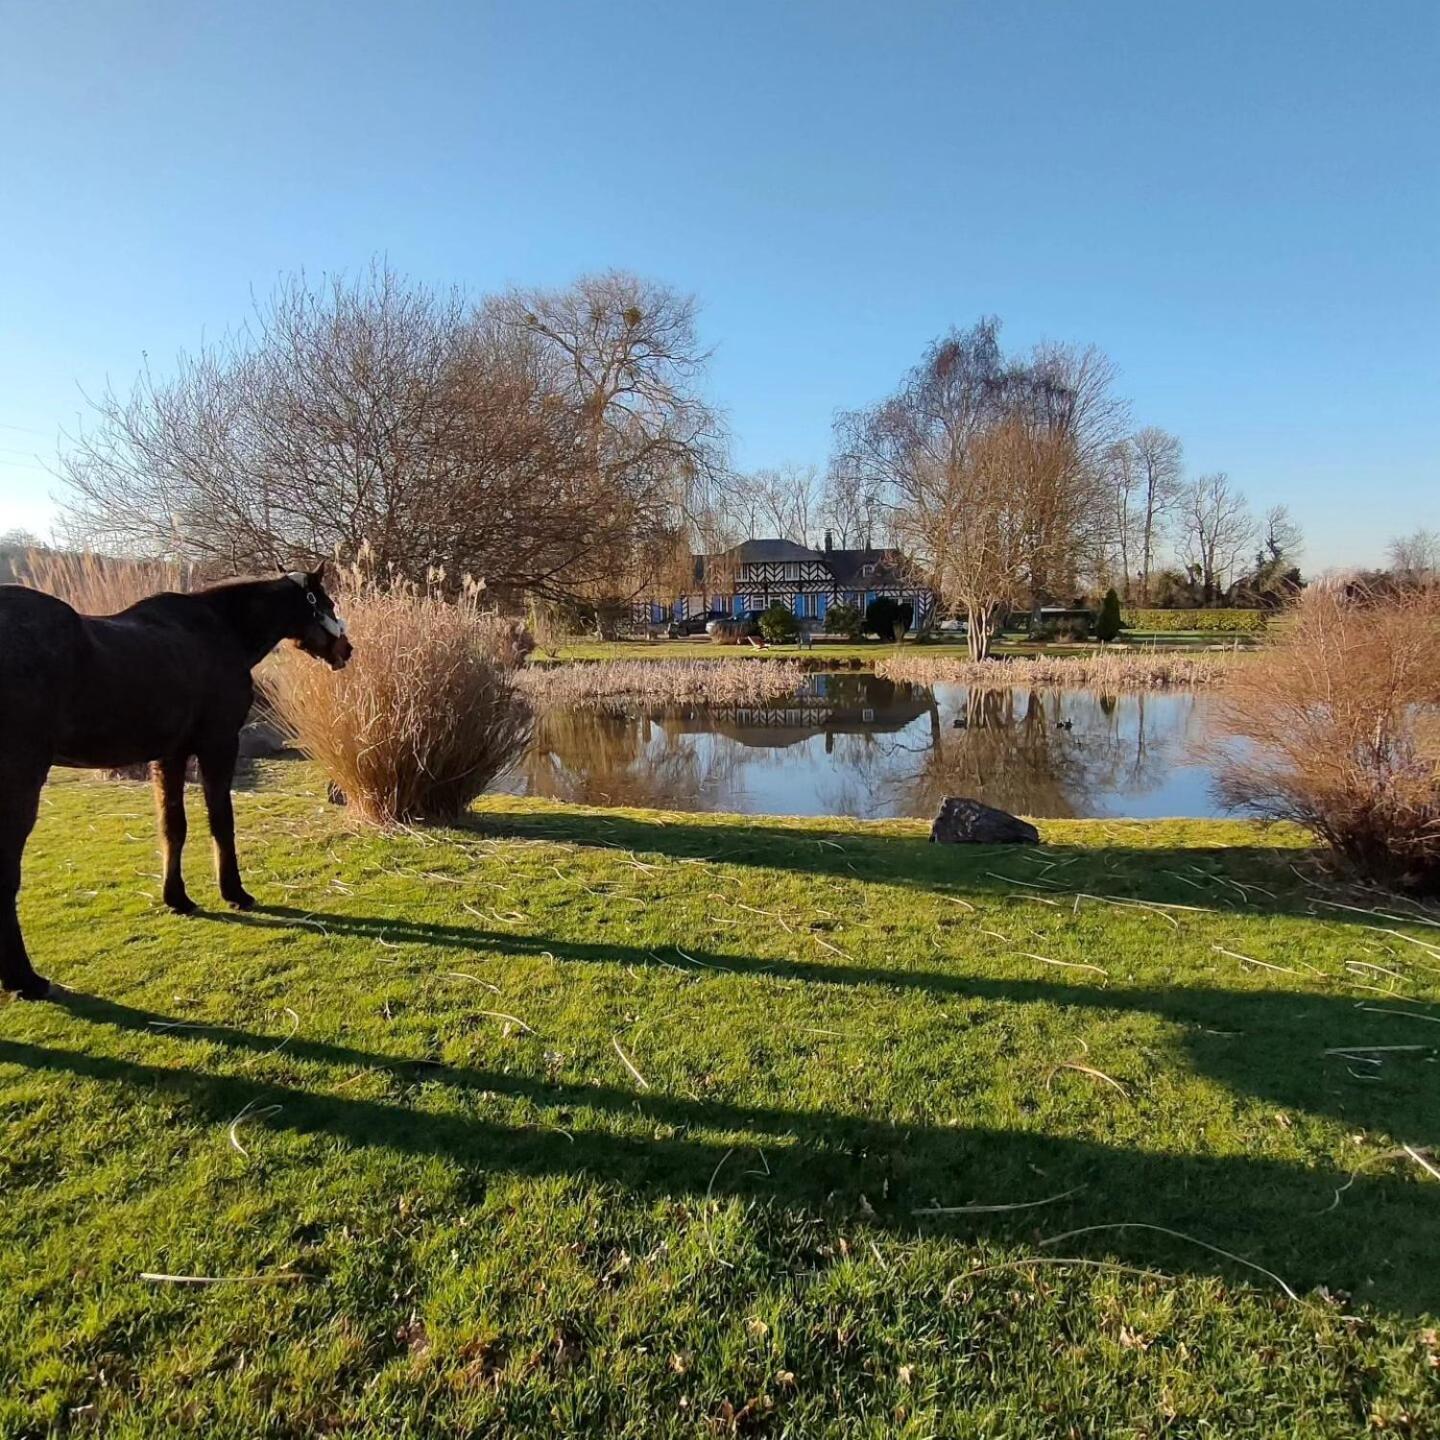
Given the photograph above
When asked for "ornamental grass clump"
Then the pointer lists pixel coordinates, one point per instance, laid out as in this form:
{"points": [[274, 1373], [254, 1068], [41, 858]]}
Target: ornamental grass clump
{"points": [[426, 714], [97, 584], [1339, 731]]}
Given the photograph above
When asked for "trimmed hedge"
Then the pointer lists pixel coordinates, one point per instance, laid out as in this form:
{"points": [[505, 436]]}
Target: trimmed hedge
{"points": [[1230, 622]]}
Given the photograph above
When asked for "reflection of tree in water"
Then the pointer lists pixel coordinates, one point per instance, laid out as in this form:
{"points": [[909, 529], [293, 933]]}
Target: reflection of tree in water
{"points": [[1006, 747], [854, 746], [606, 757]]}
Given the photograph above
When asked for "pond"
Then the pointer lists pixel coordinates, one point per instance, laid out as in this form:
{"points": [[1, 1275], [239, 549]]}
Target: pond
{"points": [[858, 745]]}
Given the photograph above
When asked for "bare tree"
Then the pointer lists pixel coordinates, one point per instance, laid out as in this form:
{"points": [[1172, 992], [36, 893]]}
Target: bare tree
{"points": [[991, 470], [544, 443], [1123, 486], [852, 510], [1218, 531], [1281, 537], [784, 502], [1065, 396], [1415, 558], [1159, 466], [624, 353]]}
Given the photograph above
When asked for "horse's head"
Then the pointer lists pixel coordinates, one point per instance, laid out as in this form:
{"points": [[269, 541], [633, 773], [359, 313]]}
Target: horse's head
{"points": [[318, 631]]}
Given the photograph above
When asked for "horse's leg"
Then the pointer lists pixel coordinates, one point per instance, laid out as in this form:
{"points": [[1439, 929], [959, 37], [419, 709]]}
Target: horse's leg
{"points": [[217, 770], [20, 787], [168, 777]]}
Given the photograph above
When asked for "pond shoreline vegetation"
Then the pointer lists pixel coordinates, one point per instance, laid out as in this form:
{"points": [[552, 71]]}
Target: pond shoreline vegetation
{"points": [[718, 682], [1108, 672]]}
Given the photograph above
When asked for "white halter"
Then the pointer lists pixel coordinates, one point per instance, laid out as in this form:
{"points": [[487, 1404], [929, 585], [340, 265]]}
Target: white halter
{"points": [[332, 624]]}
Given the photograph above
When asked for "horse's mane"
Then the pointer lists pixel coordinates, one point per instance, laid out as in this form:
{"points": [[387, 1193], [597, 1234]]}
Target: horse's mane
{"points": [[236, 582]]}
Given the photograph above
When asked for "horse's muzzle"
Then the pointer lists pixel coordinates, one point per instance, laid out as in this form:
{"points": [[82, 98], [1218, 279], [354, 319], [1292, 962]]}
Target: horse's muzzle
{"points": [[338, 652]]}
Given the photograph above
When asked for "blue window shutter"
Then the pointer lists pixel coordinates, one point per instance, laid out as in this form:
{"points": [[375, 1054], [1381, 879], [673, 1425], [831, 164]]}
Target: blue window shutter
{"points": [[821, 603]]}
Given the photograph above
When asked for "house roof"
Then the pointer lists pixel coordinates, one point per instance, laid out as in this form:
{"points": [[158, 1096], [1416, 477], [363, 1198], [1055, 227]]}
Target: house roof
{"points": [[759, 552], [847, 566]]}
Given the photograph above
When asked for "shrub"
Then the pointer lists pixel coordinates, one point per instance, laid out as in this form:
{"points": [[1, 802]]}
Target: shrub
{"points": [[1230, 622], [426, 714], [551, 625], [1339, 730], [726, 632], [1109, 625], [778, 624], [1072, 628], [880, 616], [843, 619]]}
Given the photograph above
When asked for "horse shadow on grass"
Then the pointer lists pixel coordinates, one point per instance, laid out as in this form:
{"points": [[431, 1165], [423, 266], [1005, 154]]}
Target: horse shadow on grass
{"points": [[1246, 879], [1266, 1044], [1373, 1232]]}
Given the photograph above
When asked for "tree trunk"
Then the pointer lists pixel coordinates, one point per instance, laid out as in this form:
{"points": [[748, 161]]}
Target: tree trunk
{"points": [[977, 631]]}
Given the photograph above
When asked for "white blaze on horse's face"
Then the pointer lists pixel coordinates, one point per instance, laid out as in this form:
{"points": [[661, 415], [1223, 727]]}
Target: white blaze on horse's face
{"points": [[331, 623]]}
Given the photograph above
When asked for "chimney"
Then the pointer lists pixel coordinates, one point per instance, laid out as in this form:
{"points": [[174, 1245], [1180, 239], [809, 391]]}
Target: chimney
{"points": [[829, 542]]}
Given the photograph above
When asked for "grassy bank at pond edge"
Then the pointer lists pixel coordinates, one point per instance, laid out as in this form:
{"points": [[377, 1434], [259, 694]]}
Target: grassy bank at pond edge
{"points": [[618, 1122], [863, 655]]}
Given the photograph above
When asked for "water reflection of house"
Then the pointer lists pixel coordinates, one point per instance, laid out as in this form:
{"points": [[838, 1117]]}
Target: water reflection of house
{"points": [[831, 705], [759, 573]]}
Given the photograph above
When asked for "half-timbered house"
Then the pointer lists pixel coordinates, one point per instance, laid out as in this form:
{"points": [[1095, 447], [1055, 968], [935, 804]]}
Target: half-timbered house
{"points": [[759, 573]]}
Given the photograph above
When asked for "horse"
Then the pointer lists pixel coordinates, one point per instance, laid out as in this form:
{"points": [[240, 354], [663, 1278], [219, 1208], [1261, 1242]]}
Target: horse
{"points": [[167, 679]]}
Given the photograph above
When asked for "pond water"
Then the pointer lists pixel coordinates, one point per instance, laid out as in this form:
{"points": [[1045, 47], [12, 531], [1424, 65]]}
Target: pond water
{"points": [[858, 745]]}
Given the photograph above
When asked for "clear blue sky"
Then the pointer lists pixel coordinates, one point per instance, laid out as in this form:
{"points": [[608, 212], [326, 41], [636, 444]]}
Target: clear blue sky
{"points": [[1239, 202]]}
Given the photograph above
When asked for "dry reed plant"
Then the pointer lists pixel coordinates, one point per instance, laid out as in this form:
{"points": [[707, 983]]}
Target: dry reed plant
{"points": [[663, 682], [1107, 673], [99, 584], [426, 714], [1339, 730]]}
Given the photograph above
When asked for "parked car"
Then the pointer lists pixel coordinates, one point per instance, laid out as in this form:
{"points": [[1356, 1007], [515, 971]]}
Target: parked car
{"points": [[748, 623], [694, 624]]}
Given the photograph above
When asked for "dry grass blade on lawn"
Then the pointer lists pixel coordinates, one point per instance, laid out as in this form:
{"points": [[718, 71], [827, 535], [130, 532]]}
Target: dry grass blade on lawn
{"points": [[629, 1064], [1087, 1070], [997, 1209], [1175, 1234]]}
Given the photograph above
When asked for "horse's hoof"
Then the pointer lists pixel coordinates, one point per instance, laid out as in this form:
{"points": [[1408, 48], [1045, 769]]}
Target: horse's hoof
{"points": [[183, 905], [34, 987], [243, 901]]}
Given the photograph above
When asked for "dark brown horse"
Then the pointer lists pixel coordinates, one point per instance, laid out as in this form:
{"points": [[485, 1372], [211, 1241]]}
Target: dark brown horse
{"points": [[164, 680]]}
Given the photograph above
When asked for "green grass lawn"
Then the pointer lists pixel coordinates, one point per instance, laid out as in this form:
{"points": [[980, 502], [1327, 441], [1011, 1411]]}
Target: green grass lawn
{"points": [[580, 1122], [864, 653]]}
